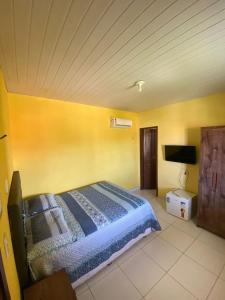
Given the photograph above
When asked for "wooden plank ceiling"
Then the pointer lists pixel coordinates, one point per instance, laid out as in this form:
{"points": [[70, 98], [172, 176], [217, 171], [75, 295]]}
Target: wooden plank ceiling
{"points": [[92, 51]]}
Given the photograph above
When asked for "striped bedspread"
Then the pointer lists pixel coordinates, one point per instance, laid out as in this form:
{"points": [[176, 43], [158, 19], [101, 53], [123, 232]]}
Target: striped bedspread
{"points": [[103, 220], [90, 208]]}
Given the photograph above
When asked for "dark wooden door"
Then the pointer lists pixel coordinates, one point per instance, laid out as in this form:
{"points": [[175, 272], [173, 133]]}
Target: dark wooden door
{"points": [[148, 155], [211, 208]]}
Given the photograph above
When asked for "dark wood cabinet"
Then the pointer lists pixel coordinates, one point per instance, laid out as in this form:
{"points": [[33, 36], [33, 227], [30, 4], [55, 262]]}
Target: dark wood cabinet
{"points": [[211, 199], [54, 287]]}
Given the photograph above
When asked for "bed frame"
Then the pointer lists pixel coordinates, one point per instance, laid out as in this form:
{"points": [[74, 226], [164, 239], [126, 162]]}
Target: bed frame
{"points": [[15, 212]]}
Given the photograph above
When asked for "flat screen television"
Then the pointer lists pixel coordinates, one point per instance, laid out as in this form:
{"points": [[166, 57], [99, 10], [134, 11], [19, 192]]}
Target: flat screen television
{"points": [[181, 154]]}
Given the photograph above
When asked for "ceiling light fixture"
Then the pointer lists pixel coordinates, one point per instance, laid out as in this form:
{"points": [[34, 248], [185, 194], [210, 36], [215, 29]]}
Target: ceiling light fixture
{"points": [[139, 84]]}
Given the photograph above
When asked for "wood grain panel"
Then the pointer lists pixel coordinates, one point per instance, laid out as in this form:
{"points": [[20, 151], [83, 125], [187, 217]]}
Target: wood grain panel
{"points": [[7, 42], [41, 10], [57, 17], [86, 29], [142, 27], [22, 19], [93, 51], [74, 19], [211, 200], [169, 47], [127, 17]]}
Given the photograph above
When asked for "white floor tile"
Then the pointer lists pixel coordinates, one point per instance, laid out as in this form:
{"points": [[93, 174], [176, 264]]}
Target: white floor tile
{"points": [[193, 277], [157, 204], [143, 242], [218, 291], [82, 288], [177, 238], [130, 252], [213, 241], [188, 227], [162, 201], [142, 271], [209, 258], [93, 280], [85, 296], [162, 214], [162, 252], [163, 223], [168, 288], [113, 286]]}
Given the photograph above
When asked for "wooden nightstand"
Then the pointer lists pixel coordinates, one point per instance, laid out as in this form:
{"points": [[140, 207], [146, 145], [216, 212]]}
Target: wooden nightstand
{"points": [[54, 287]]}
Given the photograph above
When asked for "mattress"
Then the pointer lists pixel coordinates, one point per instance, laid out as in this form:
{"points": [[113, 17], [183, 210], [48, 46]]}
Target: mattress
{"points": [[104, 219]]}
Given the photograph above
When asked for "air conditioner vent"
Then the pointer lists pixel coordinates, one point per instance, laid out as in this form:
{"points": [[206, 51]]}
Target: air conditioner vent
{"points": [[121, 123]]}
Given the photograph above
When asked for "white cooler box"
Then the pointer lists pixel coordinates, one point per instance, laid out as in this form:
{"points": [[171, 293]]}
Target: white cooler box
{"points": [[181, 204]]}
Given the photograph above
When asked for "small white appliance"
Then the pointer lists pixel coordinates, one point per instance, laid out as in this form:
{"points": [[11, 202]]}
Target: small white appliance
{"points": [[181, 204]]}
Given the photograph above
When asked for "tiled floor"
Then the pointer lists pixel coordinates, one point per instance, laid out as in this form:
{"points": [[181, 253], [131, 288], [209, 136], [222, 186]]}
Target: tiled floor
{"points": [[181, 262]]}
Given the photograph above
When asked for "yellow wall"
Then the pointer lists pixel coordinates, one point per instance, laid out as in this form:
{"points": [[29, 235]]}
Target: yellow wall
{"points": [[45, 130], [180, 124], [60, 145], [5, 174]]}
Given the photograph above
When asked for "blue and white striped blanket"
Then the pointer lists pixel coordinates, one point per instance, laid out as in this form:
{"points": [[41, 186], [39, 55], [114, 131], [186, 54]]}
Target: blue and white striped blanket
{"points": [[90, 208], [102, 220]]}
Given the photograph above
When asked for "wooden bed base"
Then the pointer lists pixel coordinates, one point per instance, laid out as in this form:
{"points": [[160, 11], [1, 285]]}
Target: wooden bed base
{"points": [[15, 212]]}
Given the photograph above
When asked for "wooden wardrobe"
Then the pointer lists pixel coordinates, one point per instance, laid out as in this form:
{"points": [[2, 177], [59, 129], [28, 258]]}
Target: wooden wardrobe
{"points": [[211, 199]]}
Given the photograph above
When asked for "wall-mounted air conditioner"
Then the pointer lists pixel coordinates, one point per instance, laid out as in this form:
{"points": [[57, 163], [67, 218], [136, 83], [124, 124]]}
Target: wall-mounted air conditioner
{"points": [[120, 123]]}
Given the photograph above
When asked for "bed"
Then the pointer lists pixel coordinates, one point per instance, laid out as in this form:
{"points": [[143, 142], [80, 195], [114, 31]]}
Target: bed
{"points": [[81, 230]]}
